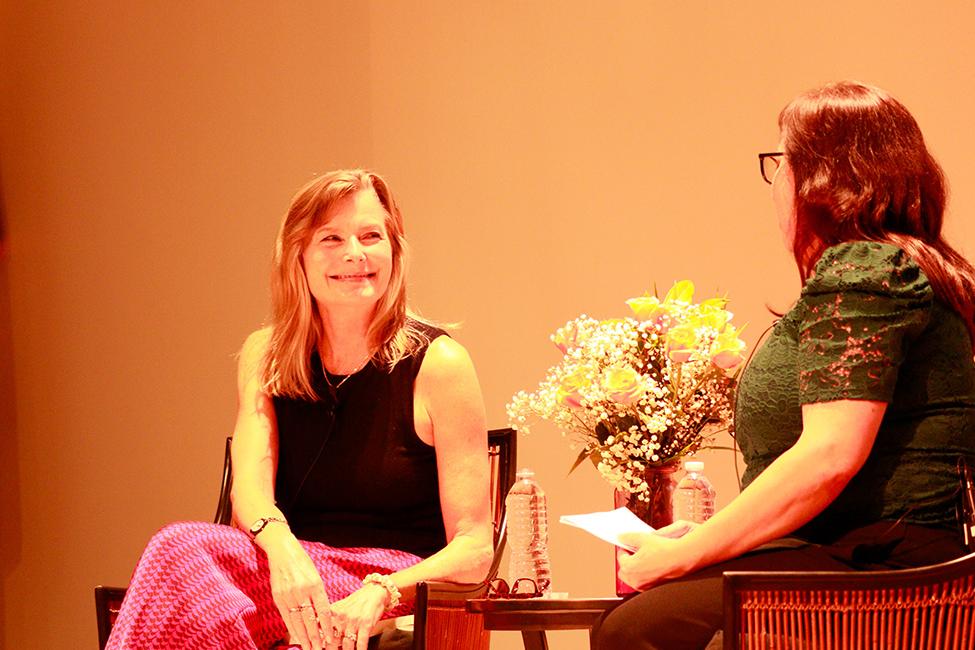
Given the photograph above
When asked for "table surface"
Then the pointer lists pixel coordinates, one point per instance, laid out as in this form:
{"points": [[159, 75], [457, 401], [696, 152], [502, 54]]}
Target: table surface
{"points": [[534, 616], [485, 605], [541, 613]]}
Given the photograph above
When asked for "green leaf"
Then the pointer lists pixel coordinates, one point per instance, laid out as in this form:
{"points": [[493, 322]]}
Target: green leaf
{"points": [[592, 454]]}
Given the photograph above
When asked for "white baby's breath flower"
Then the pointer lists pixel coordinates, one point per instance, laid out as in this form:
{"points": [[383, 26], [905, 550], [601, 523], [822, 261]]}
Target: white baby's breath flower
{"points": [[661, 419]]}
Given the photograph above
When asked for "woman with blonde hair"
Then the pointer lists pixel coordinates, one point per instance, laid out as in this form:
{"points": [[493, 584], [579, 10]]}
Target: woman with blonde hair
{"points": [[359, 453], [853, 414]]}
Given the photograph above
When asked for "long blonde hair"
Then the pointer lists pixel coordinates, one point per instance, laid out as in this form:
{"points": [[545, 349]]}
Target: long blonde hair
{"points": [[296, 326]]}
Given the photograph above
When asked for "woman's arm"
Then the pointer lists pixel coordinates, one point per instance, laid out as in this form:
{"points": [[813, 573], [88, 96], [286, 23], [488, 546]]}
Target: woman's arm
{"points": [[449, 395], [449, 406], [254, 449], [294, 578], [836, 439]]}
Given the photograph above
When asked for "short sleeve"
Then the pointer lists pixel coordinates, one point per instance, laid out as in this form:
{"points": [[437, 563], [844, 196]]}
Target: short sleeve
{"points": [[858, 313]]}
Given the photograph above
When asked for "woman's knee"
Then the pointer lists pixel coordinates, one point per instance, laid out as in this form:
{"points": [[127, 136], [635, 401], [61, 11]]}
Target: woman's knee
{"points": [[617, 630], [182, 539], [174, 534], [669, 617], [613, 637]]}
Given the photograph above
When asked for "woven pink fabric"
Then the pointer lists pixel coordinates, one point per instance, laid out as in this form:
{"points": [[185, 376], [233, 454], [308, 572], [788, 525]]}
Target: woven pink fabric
{"points": [[201, 585]]}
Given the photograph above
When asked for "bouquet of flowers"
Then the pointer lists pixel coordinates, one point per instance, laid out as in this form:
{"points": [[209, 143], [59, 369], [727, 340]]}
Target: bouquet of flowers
{"points": [[641, 391]]}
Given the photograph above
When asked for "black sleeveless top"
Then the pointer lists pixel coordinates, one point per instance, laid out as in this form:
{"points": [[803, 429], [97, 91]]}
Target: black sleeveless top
{"points": [[351, 470]]}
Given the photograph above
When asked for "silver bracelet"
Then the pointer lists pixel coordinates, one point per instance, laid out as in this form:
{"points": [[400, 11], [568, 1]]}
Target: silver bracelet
{"points": [[386, 583]]}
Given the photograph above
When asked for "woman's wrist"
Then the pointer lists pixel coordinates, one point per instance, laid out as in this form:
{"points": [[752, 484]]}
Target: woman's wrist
{"points": [[694, 551], [386, 584], [276, 540], [260, 525]]}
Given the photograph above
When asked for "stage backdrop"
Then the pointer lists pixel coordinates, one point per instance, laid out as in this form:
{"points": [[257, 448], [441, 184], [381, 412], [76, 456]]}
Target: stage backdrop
{"points": [[551, 158]]}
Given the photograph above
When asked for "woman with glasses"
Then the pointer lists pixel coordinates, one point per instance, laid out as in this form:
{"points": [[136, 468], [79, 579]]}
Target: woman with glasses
{"points": [[853, 414], [359, 455]]}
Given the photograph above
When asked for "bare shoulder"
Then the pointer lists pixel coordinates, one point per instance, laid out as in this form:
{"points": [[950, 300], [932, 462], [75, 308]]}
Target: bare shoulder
{"points": [[449, 395], [256, 341], [446, 360], [447, 379], [252, 354]]}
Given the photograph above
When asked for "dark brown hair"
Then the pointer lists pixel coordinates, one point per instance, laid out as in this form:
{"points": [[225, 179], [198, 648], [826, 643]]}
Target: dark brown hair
{"points": [[863, 172]]}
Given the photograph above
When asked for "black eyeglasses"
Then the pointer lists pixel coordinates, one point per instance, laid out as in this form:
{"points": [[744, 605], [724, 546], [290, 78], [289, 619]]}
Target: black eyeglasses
{"points": [[769, 163], [520, 588]]}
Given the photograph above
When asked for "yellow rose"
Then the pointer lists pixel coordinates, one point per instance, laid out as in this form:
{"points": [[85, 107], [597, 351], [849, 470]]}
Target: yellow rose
{"points": [[569, 390], [643, 306], [566, 338], [623, 385], [649, 308], [682, 291], [712, 315], [728, 351], [681, 342]]}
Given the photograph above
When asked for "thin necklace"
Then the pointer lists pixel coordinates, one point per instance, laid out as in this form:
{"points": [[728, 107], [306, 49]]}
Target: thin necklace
{"points": [[336, 387]]}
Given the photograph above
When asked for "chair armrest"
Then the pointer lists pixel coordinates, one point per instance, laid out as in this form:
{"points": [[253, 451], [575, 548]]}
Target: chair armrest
{"points": [[450, 591], [441, 620], [849, 580]]}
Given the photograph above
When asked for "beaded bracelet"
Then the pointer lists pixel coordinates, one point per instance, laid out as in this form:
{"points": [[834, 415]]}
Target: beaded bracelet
{"points": [[386, 583]]}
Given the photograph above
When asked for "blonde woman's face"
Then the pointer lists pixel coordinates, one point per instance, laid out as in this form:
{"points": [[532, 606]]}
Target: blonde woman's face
{"points": [[349, 258]]}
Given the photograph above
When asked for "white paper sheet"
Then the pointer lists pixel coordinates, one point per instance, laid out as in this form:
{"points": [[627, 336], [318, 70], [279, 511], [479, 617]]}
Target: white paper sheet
{"points": [[609, 525]]}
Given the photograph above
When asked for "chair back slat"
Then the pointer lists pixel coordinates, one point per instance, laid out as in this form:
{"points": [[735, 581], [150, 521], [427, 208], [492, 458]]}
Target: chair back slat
{"points": [[502, 450], [766, 611], [224, 509]]}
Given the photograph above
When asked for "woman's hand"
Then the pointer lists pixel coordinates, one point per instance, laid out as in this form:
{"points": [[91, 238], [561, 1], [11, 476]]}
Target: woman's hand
{"points": [[659, 555], [297, 591], [353, 618]]}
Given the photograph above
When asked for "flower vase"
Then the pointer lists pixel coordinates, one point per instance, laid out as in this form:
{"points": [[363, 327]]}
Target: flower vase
{"points": [[657, 512]]}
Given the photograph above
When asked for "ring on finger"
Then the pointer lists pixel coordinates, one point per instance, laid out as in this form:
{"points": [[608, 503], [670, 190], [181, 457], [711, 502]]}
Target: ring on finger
{"points": [[351, 637]]}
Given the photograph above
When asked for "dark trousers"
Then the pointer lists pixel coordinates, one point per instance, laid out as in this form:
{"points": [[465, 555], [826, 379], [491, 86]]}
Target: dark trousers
{"points": [[686, 612], [392, 640]]}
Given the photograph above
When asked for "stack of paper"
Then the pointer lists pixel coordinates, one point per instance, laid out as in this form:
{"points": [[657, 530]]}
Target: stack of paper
{"points": [[610, 525]]}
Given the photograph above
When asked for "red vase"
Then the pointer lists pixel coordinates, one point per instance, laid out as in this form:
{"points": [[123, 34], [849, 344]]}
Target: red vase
{"points": [[658, 512]]}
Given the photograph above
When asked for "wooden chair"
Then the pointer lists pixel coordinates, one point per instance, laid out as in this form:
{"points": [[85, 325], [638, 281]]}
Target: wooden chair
{"points": [[441, 621], [926, 607], [108, 600], [930, 607]]}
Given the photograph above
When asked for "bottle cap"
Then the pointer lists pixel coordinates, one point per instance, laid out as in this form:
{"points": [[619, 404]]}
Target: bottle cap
{"points": [[524, 473], [694, 465]]}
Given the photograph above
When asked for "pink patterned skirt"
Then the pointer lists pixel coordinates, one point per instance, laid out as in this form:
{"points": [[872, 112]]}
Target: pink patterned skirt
{"points": [[201, 585]]}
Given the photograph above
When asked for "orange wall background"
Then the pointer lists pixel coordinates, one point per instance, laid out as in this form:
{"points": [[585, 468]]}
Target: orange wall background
{"points": [[552, 158]]}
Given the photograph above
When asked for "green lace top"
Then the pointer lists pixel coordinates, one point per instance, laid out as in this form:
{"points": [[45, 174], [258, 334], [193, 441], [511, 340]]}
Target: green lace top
{"points": [[868, 326]]}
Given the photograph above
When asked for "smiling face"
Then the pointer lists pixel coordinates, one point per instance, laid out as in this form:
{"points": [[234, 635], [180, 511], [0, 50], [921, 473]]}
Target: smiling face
{"points": [[349, 258]]}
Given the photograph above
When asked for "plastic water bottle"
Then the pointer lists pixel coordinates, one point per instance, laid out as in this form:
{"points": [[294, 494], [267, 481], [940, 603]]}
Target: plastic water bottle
{"points": [[528, 532], [694, 496]]}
